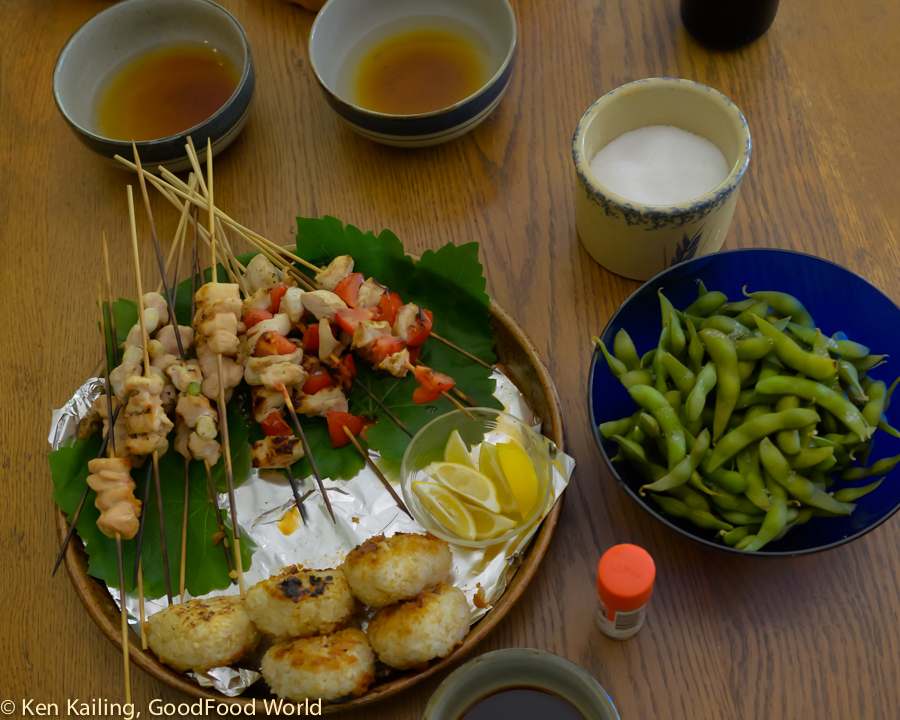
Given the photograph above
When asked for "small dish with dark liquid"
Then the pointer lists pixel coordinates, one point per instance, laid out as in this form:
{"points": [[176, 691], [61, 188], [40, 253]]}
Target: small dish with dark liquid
{"points": [[522, 703], [520, 684]]}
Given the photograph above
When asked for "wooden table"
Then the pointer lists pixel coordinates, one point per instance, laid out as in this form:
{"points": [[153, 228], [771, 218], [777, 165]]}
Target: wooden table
{"points": [[815, 637]]}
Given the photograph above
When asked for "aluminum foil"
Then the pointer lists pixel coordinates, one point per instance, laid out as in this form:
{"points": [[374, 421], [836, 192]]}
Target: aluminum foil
{"points": [[362, 508]]}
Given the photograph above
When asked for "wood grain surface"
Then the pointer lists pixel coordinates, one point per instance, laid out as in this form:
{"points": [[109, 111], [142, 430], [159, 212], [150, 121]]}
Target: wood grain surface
{"points": [[815, 637]]}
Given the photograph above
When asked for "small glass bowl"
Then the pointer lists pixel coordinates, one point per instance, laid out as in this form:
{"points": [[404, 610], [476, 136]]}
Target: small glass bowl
{"points": [[488, 426]]}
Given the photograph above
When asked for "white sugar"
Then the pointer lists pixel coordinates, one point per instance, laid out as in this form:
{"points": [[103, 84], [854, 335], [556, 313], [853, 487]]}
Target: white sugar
{"points": [[660, 165]]}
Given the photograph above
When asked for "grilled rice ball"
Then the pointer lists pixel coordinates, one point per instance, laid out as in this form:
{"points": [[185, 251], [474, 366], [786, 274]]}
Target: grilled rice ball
{"points": [[298, 603], [383, 571], [330, 667], [412, 633], [202, 633]]}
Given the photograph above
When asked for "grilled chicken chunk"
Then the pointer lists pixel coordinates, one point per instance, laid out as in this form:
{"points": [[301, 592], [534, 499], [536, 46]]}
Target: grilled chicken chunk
{"points": [[337, 270], [276, 452], [323, 304]]}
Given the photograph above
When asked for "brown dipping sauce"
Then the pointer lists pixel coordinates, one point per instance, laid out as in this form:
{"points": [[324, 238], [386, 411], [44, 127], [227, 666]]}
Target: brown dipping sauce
{"points": [[522, 703], [419, 72], [166, 92]]}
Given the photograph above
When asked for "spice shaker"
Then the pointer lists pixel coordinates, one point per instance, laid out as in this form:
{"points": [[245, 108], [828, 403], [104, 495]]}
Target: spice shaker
{"points": [[625, 578]]}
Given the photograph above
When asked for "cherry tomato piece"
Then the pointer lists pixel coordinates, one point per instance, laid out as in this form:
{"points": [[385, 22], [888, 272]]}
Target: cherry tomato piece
{"points": [[420, 329], [348, 289], [311, 338], [251, 317], [274, 424], [350, 319], [320, 379], [275, 296], [271, 343], [389, 303], [337, 421]]}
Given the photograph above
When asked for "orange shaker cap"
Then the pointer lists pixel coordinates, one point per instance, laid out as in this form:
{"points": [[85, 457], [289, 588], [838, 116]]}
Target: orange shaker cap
{"points": [[625, 577]]}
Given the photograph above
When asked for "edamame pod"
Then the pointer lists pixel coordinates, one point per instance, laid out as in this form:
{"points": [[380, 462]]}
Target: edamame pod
{"points": [[796, 485], [792, 355], [696, 400], [636, 377], [683, 378], [706, 304], [756, 429], [807, 389], [848, 495], [624, 350], [695, 348], [732, 537], [882, 467], [728, 383], [774, 521], [617, 367], [701, 519], [785, 305], [618, 427], [747, 463], [690, 497], [670, 319], [727, 326], [657, 405], [754, 348], [682, 471]]}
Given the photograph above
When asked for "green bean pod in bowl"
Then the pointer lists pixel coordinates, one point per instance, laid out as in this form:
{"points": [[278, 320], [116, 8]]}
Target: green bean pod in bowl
{"points": [[743, 399]]}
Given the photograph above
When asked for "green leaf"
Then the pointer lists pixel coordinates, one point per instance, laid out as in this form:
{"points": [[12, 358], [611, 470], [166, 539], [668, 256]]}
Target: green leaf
{"points": [[322, 240], [448, 282]]}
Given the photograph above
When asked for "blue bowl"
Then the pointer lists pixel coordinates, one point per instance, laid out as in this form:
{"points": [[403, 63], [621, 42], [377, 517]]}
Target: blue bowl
{"points": [[837, 299]]}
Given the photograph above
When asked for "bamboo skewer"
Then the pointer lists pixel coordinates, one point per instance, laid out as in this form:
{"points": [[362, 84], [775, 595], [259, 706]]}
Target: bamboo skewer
{"points": [[215, 501], [295, 489], [184, 523], [223, 416], [144, 342], [170, 301], [112, 452], [140, 584], [377, 471], [307, 450], [126, 646], [180, 233], [109, 300]]}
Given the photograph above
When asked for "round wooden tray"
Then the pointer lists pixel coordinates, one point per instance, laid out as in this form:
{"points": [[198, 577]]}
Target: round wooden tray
{"points": [[519, 360]]}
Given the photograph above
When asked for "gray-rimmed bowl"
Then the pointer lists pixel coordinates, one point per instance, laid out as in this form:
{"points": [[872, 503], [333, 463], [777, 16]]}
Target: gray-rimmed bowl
{"points": [[129, 29], [514, 667], [345, 30]]}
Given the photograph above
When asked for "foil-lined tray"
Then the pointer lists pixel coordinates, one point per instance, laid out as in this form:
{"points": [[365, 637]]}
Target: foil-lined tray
{"points": [[362, 508]]}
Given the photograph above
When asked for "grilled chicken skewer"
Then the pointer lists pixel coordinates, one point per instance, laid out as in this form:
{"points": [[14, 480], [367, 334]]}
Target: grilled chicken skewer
{"points": [[148, 423]]}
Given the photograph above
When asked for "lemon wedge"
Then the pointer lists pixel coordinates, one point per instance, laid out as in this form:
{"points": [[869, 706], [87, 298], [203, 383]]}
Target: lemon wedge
{"points": [[488, 524], [456, 451], [489, 465], [519, 473], [446, 508], [466, 482]]}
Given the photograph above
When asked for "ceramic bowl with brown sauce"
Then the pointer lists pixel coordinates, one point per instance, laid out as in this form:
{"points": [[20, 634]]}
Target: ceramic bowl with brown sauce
{"points": [[156, 72], [413, 74], [523, 683]]}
